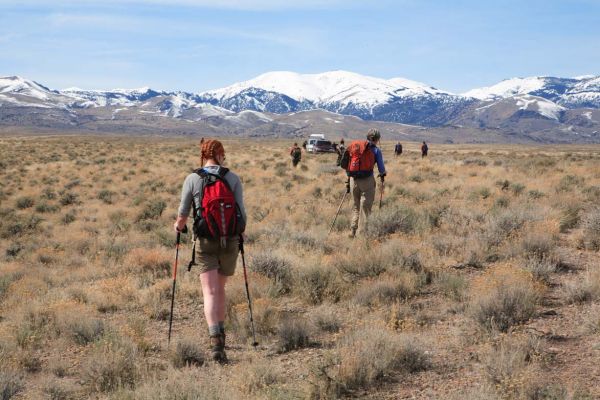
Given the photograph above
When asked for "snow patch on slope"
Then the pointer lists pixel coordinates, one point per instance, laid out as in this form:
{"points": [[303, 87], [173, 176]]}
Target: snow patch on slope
{"points": [[507, 88], [540, 105]]}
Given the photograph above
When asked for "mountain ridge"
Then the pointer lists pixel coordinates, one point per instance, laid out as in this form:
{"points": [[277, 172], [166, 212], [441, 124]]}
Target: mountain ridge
{"points": [[548, 106]]}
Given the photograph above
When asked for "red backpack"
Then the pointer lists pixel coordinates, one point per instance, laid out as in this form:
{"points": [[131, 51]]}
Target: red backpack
{"points": [[358, 159], [219, 216]]}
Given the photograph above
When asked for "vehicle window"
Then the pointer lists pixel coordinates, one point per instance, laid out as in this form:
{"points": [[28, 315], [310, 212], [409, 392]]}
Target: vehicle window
{"points": [[311, 141], [323, 143]]}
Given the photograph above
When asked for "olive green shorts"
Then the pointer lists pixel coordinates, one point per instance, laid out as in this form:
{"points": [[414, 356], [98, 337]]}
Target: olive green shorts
{"points": [[210, 255]]}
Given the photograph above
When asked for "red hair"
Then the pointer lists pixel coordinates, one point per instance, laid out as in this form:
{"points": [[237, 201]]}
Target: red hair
{"points": [[210, 149]]}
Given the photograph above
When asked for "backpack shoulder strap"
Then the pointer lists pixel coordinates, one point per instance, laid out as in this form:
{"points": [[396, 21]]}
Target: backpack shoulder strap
{"points": [[209, 177]]}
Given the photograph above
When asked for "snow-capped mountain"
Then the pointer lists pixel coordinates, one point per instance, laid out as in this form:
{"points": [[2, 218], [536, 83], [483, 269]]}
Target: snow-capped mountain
{"points": [[395, 100], [517, 106], [339, 87], [568, 92], [115, 97], [18, 91]]}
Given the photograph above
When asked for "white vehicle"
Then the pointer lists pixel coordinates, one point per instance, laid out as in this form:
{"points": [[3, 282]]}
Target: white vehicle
{"points": [[312, 140]]}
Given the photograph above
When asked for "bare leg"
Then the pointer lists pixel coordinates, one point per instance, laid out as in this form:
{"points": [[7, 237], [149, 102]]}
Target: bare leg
{"points": [[213, 291]]}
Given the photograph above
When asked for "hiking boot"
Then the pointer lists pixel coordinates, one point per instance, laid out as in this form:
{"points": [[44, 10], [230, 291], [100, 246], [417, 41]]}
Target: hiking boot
{"points": [[217, 343]]}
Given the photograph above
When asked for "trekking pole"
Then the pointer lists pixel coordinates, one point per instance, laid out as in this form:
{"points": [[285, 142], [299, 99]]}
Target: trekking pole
{"points": [[341, 204], [254, 342], [382, 177], [174, 281]]}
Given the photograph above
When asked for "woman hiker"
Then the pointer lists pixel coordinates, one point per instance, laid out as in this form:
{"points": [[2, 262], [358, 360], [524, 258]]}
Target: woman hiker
{"points": [[216, 258]]}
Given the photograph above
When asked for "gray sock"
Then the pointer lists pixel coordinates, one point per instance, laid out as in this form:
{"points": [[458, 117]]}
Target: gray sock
{"points": [[214, 330], [222, 326]]}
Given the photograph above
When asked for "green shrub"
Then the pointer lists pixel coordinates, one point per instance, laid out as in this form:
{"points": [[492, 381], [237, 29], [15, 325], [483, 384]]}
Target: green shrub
{"points": [[106, 196], [44, 207], [391, 220], [363, 358], [318, 283], [68, 198], [275, 268], [69, 217], [24, 202], [11, 384], [361, 264], [386, 292], [153, 209], [504, 306], [82, 329]]}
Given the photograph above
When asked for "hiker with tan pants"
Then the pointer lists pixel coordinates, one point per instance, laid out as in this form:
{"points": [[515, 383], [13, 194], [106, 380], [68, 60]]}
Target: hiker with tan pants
{"points": [[359, 161]]}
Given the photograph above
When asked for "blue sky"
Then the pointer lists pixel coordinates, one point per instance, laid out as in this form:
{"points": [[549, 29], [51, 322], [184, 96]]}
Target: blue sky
{"points": [[196, 45]]}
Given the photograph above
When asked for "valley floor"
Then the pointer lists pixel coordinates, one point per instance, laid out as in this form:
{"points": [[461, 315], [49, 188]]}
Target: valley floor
{"points": [[478, 278]]}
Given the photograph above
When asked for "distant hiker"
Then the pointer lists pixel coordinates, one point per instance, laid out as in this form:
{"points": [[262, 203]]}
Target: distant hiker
{"points": [[359, 160], [201, 141], [214, 194], [398, 149], [296, 154], [304, 145], [340, 151], [424, 149]]}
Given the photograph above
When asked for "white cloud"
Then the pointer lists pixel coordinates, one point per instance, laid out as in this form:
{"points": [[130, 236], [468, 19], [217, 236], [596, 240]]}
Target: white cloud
{"points": [[248, 5], [96, 20]]}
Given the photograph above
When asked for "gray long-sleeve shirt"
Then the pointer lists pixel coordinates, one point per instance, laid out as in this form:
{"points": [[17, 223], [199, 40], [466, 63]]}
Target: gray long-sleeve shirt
{"points": [[193, 184]]}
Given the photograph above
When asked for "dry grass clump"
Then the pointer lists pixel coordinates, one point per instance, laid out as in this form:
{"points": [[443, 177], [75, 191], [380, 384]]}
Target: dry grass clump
{"points": [[36, 323], [293, 333], [318, 283], [591, 229], [274, 267], [503, 298], [504, 224], [391, 220], [584, 289], [14, 225], [362, 263], [325, 318], [364, 357], [152, 209], [266, 318], [542, 268], [452, 285], [112, 365], [570, 217], [81, 328], [152, 261], [156, 300], [538, 245], [11, 384], [188, 353], [382, 292], [7, 278], [57, 390], [509, 365], [260, 378], [187, 383]]}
